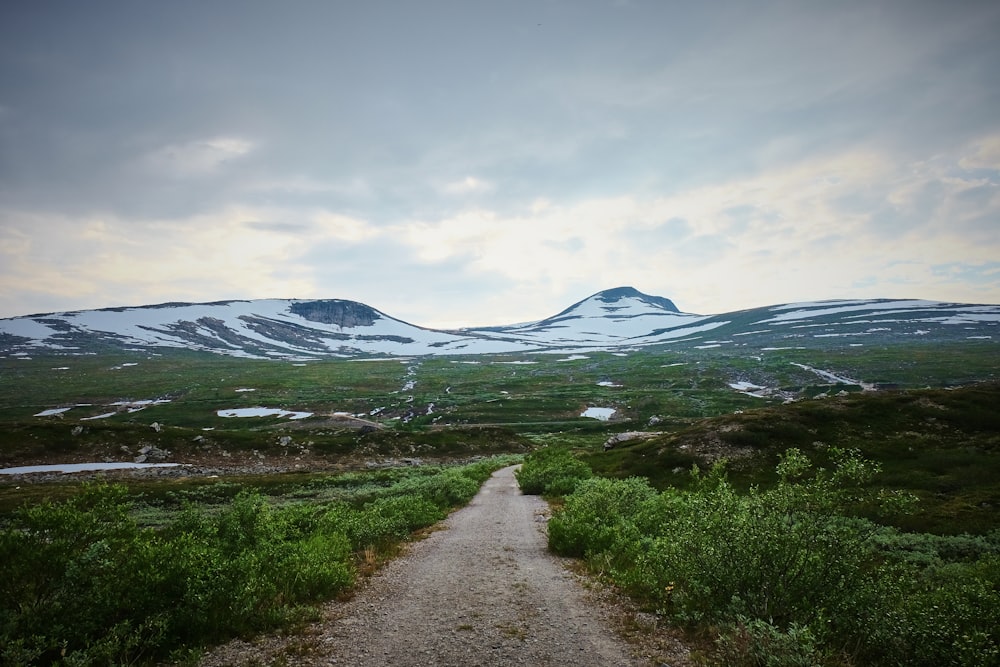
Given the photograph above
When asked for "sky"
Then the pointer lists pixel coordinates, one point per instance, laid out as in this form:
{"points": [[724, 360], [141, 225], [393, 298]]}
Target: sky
{"points": [[470, 163]]}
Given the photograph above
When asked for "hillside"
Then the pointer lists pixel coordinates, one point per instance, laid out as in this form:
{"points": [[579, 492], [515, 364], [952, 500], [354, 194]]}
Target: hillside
{"points": [[942, 444], [617, 319]]}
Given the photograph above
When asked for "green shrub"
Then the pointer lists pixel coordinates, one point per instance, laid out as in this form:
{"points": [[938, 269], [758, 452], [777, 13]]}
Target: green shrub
{"points": [[757, 643], [942, 615], [788, 573], [83, 584], [391, 519], [447, 489], [599, 516], [551, 471]]}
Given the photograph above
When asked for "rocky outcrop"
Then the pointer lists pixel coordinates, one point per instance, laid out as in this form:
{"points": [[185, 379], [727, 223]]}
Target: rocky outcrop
{"points": [[342, 313], [628, 436]]}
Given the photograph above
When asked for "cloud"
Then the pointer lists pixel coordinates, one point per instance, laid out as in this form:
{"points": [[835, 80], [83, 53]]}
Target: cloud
{"points": [[466, 186], [721, 155], [984, 154], [279, 227], [824, 227], [236, 252], [817, 227], [197, 158]]}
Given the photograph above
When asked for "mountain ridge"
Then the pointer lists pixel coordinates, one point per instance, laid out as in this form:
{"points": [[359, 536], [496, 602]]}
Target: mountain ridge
{"points": [[612, 319]]}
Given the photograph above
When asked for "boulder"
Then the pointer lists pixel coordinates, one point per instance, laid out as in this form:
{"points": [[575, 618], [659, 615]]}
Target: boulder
{"points": [[628, 436]]}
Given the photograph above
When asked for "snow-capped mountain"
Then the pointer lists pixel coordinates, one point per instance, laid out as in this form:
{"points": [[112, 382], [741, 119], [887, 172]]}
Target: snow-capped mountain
{"points": [[613, 319], [262, 328], [623, 315]]}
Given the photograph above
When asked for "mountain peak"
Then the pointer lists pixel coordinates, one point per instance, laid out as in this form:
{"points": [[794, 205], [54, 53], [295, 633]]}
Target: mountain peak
{"points": [[626, 292]]}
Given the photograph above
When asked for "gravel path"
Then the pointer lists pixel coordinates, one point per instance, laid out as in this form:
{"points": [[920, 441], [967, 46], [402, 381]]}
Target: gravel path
{"points": [[483, 591]]}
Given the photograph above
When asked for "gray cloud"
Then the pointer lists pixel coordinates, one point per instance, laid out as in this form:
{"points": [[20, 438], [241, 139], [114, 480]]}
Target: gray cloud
{"points": [[148, 115]]}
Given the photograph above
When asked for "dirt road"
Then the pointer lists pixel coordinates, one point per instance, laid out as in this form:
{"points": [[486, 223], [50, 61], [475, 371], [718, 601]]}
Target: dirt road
{"points": [[483, 591]]}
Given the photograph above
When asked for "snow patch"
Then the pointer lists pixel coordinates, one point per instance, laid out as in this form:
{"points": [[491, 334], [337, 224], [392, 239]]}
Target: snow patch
{"points": [[744, 386], [263, 412], [136, 406], [52, 411], [810, 310], [104, 416], [832, 377], [602, 414]]}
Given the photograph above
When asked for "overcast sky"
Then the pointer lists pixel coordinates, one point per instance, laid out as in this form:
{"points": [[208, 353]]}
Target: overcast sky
{"points": [[473, 163]]}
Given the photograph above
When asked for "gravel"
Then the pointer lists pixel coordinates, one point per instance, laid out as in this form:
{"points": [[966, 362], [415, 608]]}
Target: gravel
{"points": [[482, 591]]}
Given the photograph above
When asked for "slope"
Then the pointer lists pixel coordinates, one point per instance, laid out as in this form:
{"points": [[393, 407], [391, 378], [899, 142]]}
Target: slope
{"points": [[617, 319]]}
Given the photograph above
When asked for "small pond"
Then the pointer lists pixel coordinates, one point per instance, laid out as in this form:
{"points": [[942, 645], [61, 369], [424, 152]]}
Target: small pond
{"points": [[82, 467]]}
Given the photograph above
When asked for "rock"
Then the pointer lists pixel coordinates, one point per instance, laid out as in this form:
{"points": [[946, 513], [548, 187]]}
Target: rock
{"points": [[156, 426], [619, 438], [77, 430], [285, 440], [150, 454]]}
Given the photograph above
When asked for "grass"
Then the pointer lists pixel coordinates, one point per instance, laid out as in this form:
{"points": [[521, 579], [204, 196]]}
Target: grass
{"points": [[452, 407], [930, 428], [943, 445], [474, 390], [91, 576]]}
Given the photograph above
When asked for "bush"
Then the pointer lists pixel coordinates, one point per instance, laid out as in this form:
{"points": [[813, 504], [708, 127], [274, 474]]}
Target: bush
{"points": [[389, 520], [757, 643], [788, 573], [599, 516], [447, 489], [551, 471], [83, 584]]}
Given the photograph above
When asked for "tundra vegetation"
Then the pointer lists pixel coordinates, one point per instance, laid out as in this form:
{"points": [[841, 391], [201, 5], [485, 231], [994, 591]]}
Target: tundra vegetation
{"points": [[849, 527], [791, 573], [108, 577]]}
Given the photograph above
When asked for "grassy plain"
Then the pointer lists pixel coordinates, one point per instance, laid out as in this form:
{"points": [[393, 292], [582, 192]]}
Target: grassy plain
{"points": [[932, 426], [528, 392], [942, 445]]}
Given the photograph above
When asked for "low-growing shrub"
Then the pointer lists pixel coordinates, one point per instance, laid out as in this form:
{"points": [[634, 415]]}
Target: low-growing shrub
{"points": [[789, 574], [83, 584], [599, 516], [551, 471], [757, 643], [389, 520]]}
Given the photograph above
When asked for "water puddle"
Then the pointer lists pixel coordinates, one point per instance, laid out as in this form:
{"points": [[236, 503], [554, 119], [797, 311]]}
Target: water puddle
{"points": [[82, 467]]}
